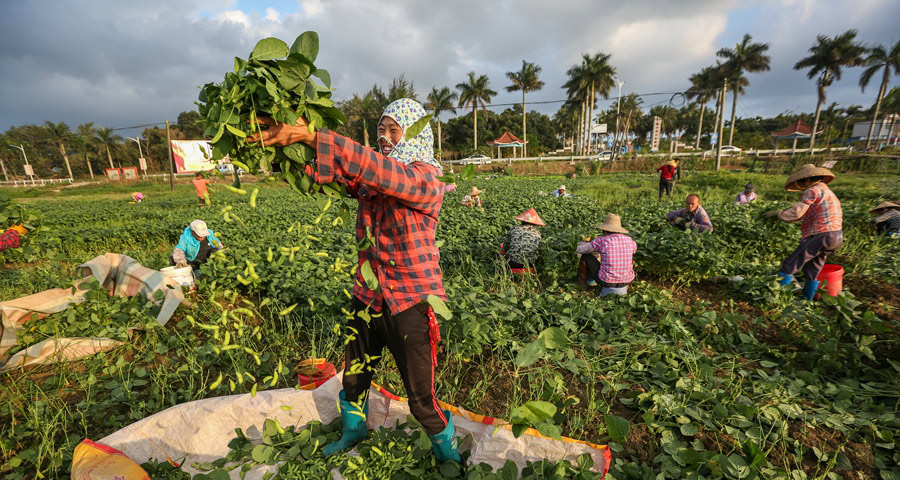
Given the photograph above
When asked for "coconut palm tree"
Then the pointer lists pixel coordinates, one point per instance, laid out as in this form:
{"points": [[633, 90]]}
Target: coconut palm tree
{"points": [[363, 109], [703, 85], [441, 101], [85, 138], [593, 76], [474, 92], [826, 60], [631, 110], [879, 58], [746, 56], [108, 139], [850, 115], [60, 133], [526, 80]]}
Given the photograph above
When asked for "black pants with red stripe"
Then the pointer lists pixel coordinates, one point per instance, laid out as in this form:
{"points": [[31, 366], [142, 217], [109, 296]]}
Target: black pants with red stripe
{"points": [[412, 337]]}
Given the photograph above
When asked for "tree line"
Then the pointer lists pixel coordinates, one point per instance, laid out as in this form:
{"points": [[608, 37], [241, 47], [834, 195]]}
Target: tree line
{"points": [[55, 149]]}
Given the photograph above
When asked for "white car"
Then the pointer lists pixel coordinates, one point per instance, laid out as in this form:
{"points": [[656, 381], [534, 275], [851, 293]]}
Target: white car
{"points": [[604, 155], [477, 160], [726, 150]]}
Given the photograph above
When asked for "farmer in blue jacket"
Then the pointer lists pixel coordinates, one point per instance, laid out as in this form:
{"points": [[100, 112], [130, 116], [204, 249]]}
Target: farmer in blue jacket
{"points": [[195, 246]]}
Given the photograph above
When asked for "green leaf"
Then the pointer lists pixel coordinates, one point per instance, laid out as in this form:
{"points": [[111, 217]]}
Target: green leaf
{"points": [[439, 306], [324, 76], [530, 354], [548, 430], [369, 275], [307, 44], [417, 127], [264, 454], [534, 411], [688, 429], [553, 337], [269, 49], [617, 427]]}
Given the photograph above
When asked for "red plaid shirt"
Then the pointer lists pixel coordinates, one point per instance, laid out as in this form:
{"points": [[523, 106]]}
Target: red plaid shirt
{"points": [[10, 239], [399, 204], [824, 213], [615, 252]]}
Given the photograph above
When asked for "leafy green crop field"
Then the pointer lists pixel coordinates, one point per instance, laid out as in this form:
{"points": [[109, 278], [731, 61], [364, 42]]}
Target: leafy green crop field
{"points": [[692, 375]]}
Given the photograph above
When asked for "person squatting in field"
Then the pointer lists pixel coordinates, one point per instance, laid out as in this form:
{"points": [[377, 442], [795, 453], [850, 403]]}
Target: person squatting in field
{"points": [[747, 196], [399, 199], [473, 199], [821, 227], [608, 259], [12, 238], [887, 221], [196, 244], [520, 247], [691, 217]]}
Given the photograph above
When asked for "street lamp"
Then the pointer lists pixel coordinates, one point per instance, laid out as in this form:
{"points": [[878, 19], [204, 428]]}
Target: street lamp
{"points": [[141, 152], [27, 165], [618, 107]]}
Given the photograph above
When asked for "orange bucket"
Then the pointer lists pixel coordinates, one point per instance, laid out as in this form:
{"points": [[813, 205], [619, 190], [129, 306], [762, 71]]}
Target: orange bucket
{"points": [[832, 278]]}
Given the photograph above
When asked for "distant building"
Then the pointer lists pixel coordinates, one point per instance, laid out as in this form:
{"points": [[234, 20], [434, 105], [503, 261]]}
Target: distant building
{"points": [[861, 129]]}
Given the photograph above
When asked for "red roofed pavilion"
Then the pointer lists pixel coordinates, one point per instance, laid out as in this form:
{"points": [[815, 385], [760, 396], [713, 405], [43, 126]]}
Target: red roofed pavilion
{"points": [[795, 131], [506, 140]]}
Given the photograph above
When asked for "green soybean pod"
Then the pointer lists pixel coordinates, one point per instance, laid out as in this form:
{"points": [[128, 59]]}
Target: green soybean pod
{"points": [[253, 195]]}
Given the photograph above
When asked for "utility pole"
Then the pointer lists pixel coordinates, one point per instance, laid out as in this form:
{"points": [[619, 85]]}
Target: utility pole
{"points": [[721, 126], [171, 161], [618, 107], [27, 165]]}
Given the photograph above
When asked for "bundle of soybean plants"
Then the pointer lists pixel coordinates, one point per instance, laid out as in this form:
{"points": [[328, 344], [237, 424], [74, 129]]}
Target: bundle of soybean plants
{"points": [[280, 82]]}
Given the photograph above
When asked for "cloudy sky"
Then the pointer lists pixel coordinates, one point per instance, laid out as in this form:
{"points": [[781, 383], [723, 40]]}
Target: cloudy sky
{"points": [[120, 62]]}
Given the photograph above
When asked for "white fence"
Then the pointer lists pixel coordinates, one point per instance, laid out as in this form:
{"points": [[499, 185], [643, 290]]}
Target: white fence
{"points": [[705, 153]]}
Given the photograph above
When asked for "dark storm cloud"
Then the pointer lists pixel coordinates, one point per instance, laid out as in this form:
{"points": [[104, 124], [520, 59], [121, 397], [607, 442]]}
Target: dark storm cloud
{"points": [[126, 63]]}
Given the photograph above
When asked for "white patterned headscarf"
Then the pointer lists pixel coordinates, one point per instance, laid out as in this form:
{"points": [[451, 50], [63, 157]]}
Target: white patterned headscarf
{"points": [[420, 148]]}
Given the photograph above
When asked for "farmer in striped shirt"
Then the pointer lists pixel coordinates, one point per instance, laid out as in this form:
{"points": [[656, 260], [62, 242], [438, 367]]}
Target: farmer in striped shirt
{"points": [[399, 199], [888, 219], [821, 227], [614, 268]]}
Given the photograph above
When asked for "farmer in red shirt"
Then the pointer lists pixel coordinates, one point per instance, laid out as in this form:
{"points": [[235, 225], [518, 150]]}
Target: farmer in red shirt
{"points": [[821, 217], [667, 178], [200, 184], [12, 237], [399, 200]]}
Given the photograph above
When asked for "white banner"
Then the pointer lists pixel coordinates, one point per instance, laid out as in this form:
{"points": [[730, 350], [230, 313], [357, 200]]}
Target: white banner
{"points": [[657, 128], [29, 171], [192, 155]]}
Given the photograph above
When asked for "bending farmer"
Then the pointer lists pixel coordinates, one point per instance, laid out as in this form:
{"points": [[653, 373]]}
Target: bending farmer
{"points": [[667, 178], [399, 199], [195, 246], [819, 212], [473, 199], [615, 267], [888, 220], [691, 217], [521, 244]]}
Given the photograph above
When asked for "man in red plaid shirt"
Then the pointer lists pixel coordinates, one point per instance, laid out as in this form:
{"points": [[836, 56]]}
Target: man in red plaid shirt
{"points": [[615, 266], [12, 237], [821, 228], [399, 197]]}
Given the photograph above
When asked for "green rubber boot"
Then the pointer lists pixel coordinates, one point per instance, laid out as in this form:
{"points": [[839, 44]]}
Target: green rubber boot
{"points": [[355, 428], [444, 444]]}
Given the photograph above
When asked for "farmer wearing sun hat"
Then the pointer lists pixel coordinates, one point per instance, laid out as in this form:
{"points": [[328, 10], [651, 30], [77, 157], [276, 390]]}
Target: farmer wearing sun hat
{"points": [[561, 192], [667, 173], [473, 199], [399, 199], [819, 212], [196, 244], [12, 237], [615, 267], [522, 241], [888, 220]]}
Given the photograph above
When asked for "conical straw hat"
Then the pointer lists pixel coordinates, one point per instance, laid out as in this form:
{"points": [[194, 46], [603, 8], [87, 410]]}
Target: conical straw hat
{"points": [[670, 163], [612, 223], [884, 205], [807, 171], [530, 216], [475, 191]]}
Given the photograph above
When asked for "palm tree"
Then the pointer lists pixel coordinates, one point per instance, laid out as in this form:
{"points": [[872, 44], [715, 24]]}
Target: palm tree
{"points": [[631, 110], [746, 56], [593, 76], [476, 91], [108, 139], [891, 105], [85, 137], [441, 101], [879, 58], [827, 57], [703, 84], [525, 80], [362, 109], [850, 113], [60, 134]]}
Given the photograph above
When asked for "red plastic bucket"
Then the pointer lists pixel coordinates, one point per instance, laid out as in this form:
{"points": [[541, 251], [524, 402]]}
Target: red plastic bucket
{"points": [[832, 278], [313, 372]]}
